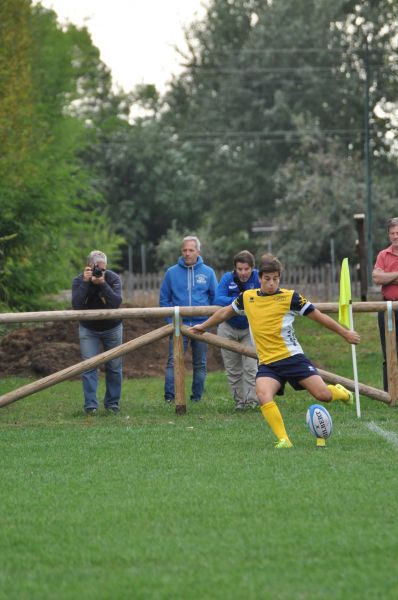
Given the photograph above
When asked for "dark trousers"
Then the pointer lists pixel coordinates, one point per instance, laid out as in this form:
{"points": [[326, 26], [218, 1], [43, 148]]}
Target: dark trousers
{"points": [[199, 362], [383, 342]]}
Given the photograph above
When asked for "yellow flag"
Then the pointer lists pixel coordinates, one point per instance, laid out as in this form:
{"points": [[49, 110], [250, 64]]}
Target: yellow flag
{"points": [[345, 294]]}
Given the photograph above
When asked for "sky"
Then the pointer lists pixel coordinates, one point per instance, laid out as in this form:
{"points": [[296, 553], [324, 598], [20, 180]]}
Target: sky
{"points": [[136, 38]]}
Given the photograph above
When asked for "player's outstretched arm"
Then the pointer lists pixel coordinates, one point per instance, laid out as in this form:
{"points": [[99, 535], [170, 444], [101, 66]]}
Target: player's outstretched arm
{"points": [[221, 315], [352, 337]]}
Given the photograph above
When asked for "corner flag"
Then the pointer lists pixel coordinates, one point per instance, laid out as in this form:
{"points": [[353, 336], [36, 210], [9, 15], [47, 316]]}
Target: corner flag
{"points": [[345, 294], [346, 318]]}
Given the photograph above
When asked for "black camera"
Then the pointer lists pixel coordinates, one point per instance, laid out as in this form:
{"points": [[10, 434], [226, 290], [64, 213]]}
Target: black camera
{"points": [[96, 271]]}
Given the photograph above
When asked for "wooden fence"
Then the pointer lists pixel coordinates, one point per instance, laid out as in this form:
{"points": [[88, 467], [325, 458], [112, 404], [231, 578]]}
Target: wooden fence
{"points": [[317, 283], [176, 329]]}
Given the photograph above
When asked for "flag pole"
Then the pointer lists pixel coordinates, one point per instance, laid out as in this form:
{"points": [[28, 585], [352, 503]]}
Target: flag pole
{"points": [[346, 319], [354, 366]]}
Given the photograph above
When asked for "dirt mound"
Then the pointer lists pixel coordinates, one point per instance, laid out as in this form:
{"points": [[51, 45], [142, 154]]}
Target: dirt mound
{"points": [[43, 350]]}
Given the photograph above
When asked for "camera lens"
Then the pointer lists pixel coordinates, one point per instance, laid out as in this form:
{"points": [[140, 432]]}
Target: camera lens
{"points": [[96, 271]]}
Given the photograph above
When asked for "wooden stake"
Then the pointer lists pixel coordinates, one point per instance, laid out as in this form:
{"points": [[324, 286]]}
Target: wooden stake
{"points": [[179, 367], [85, 365], [391, 358]]}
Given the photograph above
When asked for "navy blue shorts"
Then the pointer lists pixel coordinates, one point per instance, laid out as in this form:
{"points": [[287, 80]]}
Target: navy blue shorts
{"points": [[290, 370]]}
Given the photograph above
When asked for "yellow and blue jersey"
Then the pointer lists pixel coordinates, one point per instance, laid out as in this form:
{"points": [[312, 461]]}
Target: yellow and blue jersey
{"points": [[271, 319]]}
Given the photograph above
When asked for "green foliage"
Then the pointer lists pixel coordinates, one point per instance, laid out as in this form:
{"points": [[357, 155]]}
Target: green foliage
{"points": [[48, 204], [147, 97], [319, 191], [145, 180], [267, 86], [375, 25], [264, 83]]}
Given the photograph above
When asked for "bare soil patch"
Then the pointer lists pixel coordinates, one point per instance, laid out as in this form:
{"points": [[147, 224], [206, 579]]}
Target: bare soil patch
{"points": [[46, 349]]}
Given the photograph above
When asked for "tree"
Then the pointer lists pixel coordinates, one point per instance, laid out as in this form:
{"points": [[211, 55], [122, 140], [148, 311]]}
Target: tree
{"points": [[319, 192], [261, 78], [146, 180], [43, 185]]}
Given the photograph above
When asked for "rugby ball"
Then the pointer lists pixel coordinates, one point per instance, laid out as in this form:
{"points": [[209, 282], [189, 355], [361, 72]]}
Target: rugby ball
{"points": [[319, 421]]}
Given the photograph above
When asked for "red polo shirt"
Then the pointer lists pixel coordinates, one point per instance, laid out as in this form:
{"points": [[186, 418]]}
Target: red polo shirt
{"points": [[387, 261]]}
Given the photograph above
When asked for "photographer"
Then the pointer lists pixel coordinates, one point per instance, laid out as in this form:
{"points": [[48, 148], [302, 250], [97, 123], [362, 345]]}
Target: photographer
{"points": [[98, 288]]}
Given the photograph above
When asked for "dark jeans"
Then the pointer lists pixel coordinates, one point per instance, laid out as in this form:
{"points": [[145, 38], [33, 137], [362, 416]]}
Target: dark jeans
{"points": [[199, 362], [91, 344], [380, 317]]}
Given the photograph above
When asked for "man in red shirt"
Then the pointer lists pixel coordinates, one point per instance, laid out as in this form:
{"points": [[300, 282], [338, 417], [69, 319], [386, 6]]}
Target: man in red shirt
{"points": [[385, 273]]}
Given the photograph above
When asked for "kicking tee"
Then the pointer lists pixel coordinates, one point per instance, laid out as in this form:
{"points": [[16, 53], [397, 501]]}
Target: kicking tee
{"points": [[271, 319]]}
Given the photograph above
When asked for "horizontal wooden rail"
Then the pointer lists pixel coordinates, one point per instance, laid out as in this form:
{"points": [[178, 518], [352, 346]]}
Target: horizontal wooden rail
{"points": [[97, 315], [221, 342], [375, 306], [158, 312]]}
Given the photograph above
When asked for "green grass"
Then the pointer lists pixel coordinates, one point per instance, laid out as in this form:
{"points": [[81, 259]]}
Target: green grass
{"points": [[148, 505]]}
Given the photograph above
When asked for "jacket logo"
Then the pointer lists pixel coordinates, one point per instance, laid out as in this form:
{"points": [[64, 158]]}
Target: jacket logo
{"points": [[201, 278]]}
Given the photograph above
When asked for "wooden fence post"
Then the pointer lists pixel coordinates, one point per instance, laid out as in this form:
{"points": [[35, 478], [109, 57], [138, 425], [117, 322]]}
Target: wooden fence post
{"points": [[179, 366], [391, 353]]}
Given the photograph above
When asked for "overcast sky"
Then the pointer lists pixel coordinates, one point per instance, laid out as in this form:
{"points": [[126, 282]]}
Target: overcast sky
{"points": [[135, 37]]}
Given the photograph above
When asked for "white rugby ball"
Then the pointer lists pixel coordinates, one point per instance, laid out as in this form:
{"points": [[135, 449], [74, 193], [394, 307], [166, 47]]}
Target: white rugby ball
{"points": [[319, 421]]}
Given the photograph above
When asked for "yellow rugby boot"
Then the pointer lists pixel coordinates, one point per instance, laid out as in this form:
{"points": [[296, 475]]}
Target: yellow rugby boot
{"points": [[283, 443], [350, 396]]}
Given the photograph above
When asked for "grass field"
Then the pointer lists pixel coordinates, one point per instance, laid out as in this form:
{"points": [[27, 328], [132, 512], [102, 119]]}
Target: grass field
{"points": [[148, 505]]}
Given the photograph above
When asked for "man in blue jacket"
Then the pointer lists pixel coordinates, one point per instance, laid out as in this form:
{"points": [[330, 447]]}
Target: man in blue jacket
{"points": [[188, 283], [99, 288], [241, 370]]}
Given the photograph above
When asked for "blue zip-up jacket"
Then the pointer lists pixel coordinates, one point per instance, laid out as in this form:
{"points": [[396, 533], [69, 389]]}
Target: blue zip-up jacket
{"points": [[188, 286], [228, 290]]}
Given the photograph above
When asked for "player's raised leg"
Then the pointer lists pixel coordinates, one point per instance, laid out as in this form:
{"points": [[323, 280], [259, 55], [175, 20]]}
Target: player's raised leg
{"points": [[266, 389], [326, 393]]}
